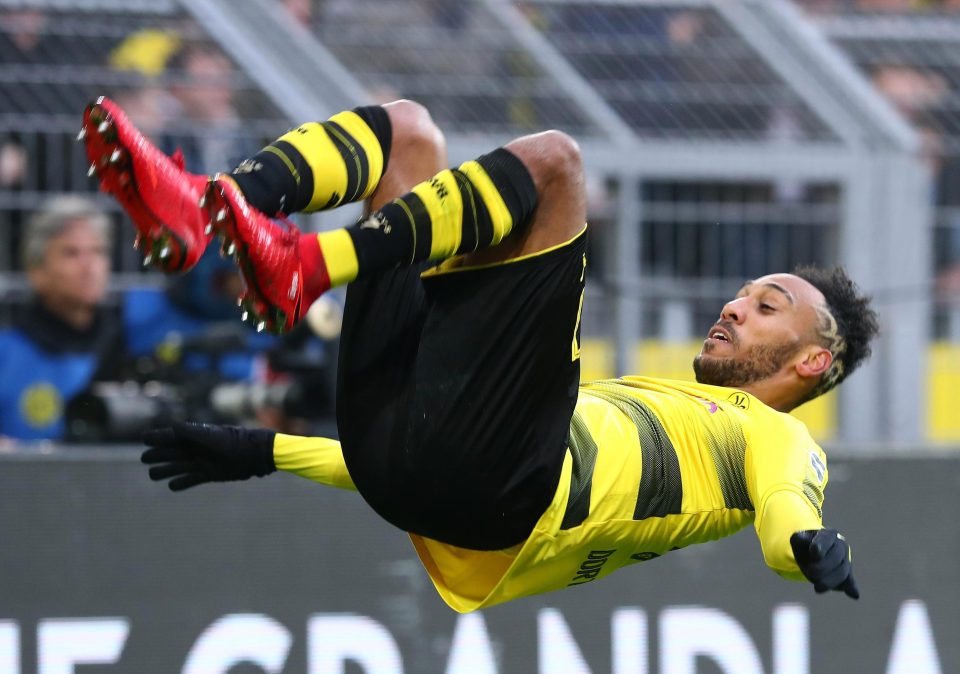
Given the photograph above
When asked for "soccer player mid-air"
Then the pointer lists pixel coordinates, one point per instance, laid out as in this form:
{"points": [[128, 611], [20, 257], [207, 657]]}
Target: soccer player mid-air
{"points": [[460, 412]]}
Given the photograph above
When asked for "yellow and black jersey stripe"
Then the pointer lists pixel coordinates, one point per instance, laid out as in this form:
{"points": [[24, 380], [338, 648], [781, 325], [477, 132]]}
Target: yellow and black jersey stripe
{"points": [[660, 488], [652, 466]]}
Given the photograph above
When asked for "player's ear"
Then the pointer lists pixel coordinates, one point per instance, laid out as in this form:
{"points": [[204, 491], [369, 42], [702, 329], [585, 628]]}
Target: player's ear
{"points": [[815, 362]]}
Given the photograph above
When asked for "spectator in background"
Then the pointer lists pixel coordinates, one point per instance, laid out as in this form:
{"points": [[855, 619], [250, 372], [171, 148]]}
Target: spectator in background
{"points": [[23, 42], [910, 89], [144, 55], [66, 337], [187, 334], [147, 104], [826, 6], [23, 39], [205, 124], [13, 163], [944, 166], [195, 111], [175, 324], [146, 51], [301, 10], [904, 6], [919, 96]]}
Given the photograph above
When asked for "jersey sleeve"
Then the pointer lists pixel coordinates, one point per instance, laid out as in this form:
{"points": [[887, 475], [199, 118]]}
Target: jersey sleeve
{"points": [[317, 459], [786, 476]]}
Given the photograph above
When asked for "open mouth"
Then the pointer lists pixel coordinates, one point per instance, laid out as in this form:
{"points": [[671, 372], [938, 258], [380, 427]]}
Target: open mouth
{"points": [[719, 335]]}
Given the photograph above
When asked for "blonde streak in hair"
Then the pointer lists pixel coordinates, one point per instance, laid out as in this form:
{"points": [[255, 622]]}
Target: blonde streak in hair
{"points": [[835, 342]]}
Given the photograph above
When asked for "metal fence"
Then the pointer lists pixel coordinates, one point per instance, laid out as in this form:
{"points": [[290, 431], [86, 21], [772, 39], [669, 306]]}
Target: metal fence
{"points": [[723, 139], [914, 61], [154, 60]]}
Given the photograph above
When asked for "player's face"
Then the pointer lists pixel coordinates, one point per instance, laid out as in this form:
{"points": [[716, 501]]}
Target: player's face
{"points": [[76, 267], [760, 332]]}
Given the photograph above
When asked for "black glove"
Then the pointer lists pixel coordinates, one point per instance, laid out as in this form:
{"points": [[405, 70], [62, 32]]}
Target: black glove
{"points": [[192, 454], [824, 558]]}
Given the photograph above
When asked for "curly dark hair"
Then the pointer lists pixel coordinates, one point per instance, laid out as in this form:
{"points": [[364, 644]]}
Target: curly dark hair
{"points": [[847, 324]]}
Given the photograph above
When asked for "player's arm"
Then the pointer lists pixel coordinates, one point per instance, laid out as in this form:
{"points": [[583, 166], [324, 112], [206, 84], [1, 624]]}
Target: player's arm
{"points": [[796, 545], [788, 495], [317, 459], [780, 512], [190, 454]]}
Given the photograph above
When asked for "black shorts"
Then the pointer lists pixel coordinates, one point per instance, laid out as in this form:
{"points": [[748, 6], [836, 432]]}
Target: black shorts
{"points": [[455, 393]]}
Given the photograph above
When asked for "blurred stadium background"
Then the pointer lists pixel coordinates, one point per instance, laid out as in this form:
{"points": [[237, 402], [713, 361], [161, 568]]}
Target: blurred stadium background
{"points": [[723, 139]]}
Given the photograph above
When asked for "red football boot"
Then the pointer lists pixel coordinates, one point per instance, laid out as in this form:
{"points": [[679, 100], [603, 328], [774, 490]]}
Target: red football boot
{"points": [[266, 250], [154, 189]]}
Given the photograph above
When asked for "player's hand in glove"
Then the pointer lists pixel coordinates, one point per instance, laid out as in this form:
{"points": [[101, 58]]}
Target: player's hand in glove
{"points": [[192, 454], [824, 558]]}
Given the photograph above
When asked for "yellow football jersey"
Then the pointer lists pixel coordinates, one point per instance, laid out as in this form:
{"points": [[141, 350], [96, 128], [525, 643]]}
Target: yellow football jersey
{"points": [[653, 465]]}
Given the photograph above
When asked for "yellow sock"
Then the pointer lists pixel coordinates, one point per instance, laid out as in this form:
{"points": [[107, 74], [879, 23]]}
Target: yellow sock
{"points": [[319, 165]]}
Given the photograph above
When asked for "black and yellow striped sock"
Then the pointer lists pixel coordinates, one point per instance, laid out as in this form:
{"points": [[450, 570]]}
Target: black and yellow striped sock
{"points": [[457, 211], [319, 165]]}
